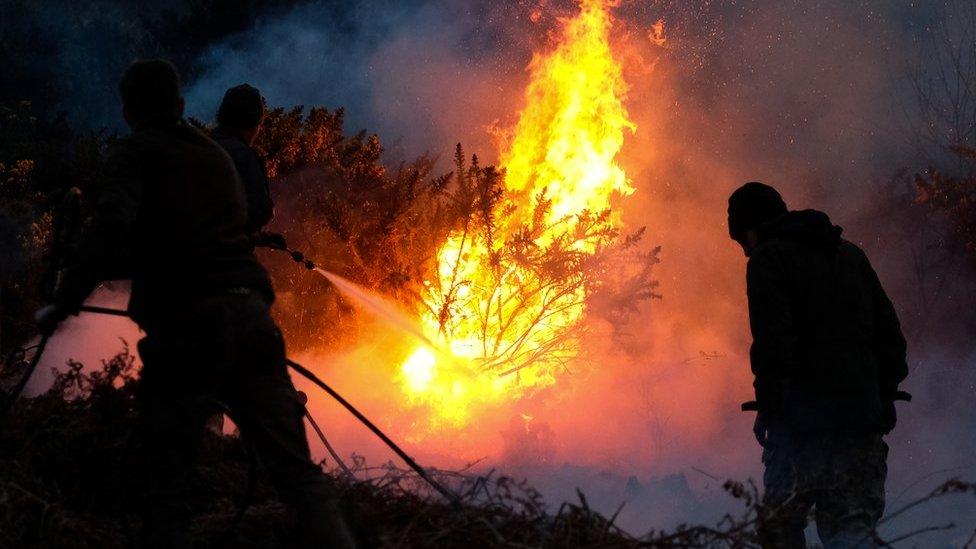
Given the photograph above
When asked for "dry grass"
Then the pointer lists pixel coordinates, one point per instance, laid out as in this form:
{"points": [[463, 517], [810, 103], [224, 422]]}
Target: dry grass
{"points": [[66, 455]]}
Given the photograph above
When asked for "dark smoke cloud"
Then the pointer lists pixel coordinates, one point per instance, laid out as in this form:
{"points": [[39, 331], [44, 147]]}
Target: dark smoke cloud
{"points": [[67, 56], [422, 74]]}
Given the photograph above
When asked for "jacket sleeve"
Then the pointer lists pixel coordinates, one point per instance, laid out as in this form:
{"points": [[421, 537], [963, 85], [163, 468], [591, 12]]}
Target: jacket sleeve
{"points": [[774, 337], [889, 342], [103, 248], [260, 207]]}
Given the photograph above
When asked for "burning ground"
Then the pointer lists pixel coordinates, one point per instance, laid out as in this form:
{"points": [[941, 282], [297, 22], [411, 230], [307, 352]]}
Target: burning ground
{"points": [[599, 121]]}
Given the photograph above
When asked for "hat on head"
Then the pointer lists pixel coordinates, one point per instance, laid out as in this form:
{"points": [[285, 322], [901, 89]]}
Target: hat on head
{"points": [[242, 108], [150, 90], [751, 206]]}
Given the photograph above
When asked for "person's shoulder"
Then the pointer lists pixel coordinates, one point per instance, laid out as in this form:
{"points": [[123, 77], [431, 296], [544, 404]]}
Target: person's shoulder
{"points": [[766, 255], [195, 143], [851, 249], [856, 258], [770, 249], [228, 141], [167, 133], [202, 140], [130, 145], [189, 131], [247, 160]]}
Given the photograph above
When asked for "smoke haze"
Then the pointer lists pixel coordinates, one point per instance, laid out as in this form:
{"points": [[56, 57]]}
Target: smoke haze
{"points": [[813, 98], [810, 98]]}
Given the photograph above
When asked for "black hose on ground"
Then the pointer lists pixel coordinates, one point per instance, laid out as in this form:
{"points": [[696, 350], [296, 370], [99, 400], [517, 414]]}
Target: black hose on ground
{"points": [[307, 374], [301, 370], [325, 442], [299, 257]]}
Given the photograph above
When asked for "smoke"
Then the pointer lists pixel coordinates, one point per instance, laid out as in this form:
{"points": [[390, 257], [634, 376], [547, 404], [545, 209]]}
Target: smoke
{"points": [[423, 75], [813, 99], [810, 97], [66, 57]]}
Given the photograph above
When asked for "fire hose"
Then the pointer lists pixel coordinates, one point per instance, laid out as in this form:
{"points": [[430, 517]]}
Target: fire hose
{"points": [[67, 223], [302, 259], [12, 396]]}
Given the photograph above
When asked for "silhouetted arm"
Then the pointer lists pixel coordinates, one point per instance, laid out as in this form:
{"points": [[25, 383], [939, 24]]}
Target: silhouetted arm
{"points": [[104, 246], [774, 337]]}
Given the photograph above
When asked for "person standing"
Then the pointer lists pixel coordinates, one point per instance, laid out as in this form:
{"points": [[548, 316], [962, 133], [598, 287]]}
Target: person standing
{"points": [[828, 355], [239, 120], [173, 215]]}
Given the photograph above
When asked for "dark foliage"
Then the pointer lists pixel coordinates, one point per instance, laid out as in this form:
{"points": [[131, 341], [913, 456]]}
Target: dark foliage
{"points": [[955, 195], [66, 458], [39, 161]]}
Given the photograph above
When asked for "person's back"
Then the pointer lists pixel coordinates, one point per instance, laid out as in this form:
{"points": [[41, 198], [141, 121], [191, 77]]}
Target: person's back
{"points": [[827, 355], [239, 120], [847, 337], [189, 235]]}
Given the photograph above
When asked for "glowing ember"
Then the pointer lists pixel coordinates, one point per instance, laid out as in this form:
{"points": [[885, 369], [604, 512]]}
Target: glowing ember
{"points": [[656, 34], [509, 303]]}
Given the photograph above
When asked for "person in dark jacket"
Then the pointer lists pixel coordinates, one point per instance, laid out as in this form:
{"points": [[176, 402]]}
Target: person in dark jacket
{"points": [[172, 217], [239, 120], [827, 355]]}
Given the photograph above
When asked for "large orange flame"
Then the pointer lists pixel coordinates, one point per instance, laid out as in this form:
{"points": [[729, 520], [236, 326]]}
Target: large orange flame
{"points": [[503, 328]]}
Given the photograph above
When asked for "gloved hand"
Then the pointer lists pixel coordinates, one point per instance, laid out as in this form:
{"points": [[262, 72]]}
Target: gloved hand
{"points": [[274, 241], [48, 318]]}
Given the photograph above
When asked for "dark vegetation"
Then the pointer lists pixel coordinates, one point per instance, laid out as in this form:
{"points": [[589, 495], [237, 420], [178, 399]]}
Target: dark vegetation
{"points": [[66, 456], [945, 132], [954, 194], [338, 203], [39, 160]]}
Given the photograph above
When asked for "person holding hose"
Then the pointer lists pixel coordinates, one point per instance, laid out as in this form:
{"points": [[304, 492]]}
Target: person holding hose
{"points": [[239, 120], [173, 214]]}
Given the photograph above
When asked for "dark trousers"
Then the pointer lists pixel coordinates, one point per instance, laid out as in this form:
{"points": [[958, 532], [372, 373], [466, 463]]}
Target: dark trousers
{"points": [[840, 476], [227, 349]]}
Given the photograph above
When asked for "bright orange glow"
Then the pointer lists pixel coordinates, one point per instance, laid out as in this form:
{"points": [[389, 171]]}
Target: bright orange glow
{"points": [[504, 328]]}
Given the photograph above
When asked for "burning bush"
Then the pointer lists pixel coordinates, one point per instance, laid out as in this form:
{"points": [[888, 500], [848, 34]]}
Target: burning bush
{"points": [[503, 267], [336, 201], [506, 293], [39, 160]]}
